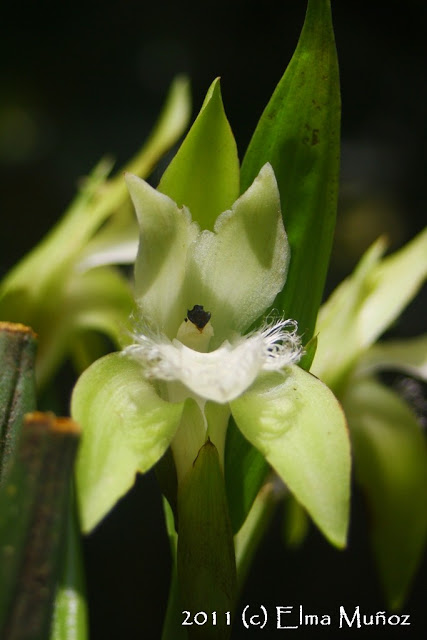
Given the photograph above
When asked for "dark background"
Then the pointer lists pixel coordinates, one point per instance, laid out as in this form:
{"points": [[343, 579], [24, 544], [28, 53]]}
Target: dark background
{"points": [[79, 80]]}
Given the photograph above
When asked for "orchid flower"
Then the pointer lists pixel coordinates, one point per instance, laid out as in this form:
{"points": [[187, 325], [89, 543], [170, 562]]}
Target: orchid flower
{"points": [[194, 359]]}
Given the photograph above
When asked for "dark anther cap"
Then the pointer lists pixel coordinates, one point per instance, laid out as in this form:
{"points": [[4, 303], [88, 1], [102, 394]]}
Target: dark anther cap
{"points": [[198, 316]]}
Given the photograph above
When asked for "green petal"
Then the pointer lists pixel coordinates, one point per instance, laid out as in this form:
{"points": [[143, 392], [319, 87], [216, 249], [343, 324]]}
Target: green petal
{"points": [[409, 356], [297, 423], [237, 271], [166, 232], [390, 457], [204, 174], [126, 429]]}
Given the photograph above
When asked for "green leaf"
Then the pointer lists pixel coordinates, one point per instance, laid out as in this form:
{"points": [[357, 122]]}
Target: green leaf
{"points": [[126, 426], [206, 563], [390, 457], [299, 134], [298, 425], [308, 354], [33, 507], [204, 174], [17, 386]]}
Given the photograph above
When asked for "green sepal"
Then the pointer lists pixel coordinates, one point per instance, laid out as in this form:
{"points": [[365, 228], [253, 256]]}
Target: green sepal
{"points": [[298, 425], [17, 385], [33, 506], [204, 174], [390, 459], [206, 562], [126, 427], [299, 134]]}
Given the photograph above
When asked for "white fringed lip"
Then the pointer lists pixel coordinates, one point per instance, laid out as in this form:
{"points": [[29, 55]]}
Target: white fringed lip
{"points": [[224, 374]]}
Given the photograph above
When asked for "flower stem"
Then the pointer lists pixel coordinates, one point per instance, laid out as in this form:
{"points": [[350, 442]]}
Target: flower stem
{"points": [[172, 625]]}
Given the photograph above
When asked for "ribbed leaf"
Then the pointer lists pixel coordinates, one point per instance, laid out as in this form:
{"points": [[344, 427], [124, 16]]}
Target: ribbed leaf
{"points": [[299, 134]]}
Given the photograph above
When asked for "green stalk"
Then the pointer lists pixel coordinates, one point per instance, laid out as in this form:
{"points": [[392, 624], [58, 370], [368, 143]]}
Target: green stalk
{"points": [[246, 542], [33, 505], [172, 624], [70, 618], [17, 385]]}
